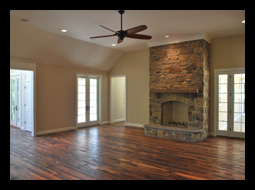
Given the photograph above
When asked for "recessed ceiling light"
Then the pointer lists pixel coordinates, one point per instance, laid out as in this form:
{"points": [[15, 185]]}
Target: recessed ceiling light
{"points": [[63, 30], [167, 35], [24, 20], [243, 21], [113, 44]]}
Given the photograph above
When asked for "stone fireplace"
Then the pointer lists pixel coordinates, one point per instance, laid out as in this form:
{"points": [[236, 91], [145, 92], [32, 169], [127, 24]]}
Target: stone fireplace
{"points": [[179, 91]]}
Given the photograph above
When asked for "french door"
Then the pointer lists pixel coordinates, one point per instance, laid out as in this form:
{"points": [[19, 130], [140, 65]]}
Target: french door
{"points": [[15, 101], [87, 101], [230, 98]]}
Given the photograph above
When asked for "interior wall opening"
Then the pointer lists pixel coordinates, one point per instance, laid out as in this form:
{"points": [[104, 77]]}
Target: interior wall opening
{"points": [[22, 99], [118, 99]]}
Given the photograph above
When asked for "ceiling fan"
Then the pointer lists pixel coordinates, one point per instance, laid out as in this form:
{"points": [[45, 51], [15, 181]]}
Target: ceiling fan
{"points": [[130, 33]]}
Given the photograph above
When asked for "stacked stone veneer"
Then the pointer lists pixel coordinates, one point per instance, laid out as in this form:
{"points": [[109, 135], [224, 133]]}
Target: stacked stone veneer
{"points": [[180, 72]]}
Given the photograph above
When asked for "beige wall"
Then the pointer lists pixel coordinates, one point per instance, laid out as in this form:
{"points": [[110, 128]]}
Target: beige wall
{"points": [[225, 53], [135, 65], [56, 96]]}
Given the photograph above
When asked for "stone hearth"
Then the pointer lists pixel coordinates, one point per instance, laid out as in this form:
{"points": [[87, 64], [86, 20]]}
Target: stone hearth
{"points": [[176, 133], [179, 91]]}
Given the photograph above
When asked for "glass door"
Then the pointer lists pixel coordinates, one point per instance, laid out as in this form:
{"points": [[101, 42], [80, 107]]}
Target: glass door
{"points": [[223, 103], [87, 101], [238, 105], [230, 100], [15, 101], [81, 111], [93, 100]]}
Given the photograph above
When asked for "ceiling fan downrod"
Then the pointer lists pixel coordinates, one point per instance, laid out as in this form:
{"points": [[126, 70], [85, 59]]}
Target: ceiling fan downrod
{"points": [[121, 13]]}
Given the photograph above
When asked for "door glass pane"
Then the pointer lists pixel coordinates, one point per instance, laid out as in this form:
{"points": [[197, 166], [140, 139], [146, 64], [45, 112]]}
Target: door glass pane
{"points": [[18, 100], [12, 99], [223, 126], [81, 100], [93, 100], [223, 107], [223, 117], [223, 102], [223, 88], [239, 102], [223, 98]]}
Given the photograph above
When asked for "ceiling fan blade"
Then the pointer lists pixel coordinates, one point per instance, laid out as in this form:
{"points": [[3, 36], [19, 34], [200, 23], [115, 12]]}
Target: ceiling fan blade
{"points": [[136, 29], [119, 40], [109, 29], [102, 36], [139, 36]]}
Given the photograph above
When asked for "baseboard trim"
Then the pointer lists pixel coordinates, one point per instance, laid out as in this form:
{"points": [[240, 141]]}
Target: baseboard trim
{"points": [[119, 120], [74, 128], [105, 122], [134, 125], [55, 130]]}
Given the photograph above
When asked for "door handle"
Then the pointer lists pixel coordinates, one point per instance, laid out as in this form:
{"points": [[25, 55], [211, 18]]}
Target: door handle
{"points": [[15, 107]]}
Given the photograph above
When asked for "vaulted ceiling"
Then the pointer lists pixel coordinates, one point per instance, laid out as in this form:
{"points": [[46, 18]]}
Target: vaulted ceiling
{"points": [[36, 34]]}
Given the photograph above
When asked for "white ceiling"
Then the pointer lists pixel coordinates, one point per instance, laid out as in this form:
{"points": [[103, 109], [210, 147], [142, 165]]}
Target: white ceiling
{"points": [[179, 24]]}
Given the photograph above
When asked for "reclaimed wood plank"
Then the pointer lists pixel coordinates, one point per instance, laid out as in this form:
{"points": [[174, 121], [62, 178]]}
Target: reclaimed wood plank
{"points": [[116, 152]]}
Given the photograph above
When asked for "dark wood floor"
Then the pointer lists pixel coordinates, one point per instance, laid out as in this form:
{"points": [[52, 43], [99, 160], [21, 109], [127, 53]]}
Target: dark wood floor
{"points": [[114, 152]]}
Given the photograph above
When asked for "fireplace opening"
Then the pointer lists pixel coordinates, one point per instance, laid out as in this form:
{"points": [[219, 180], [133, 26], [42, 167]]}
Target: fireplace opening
{"points": [[175, 113]]}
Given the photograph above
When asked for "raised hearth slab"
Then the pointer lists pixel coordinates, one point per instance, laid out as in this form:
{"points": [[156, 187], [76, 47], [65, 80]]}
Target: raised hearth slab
{"points": [[175, 133]]}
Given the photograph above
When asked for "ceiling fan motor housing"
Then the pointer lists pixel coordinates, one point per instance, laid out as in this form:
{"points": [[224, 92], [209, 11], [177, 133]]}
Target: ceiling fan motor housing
{"points": [[122, 34]]}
